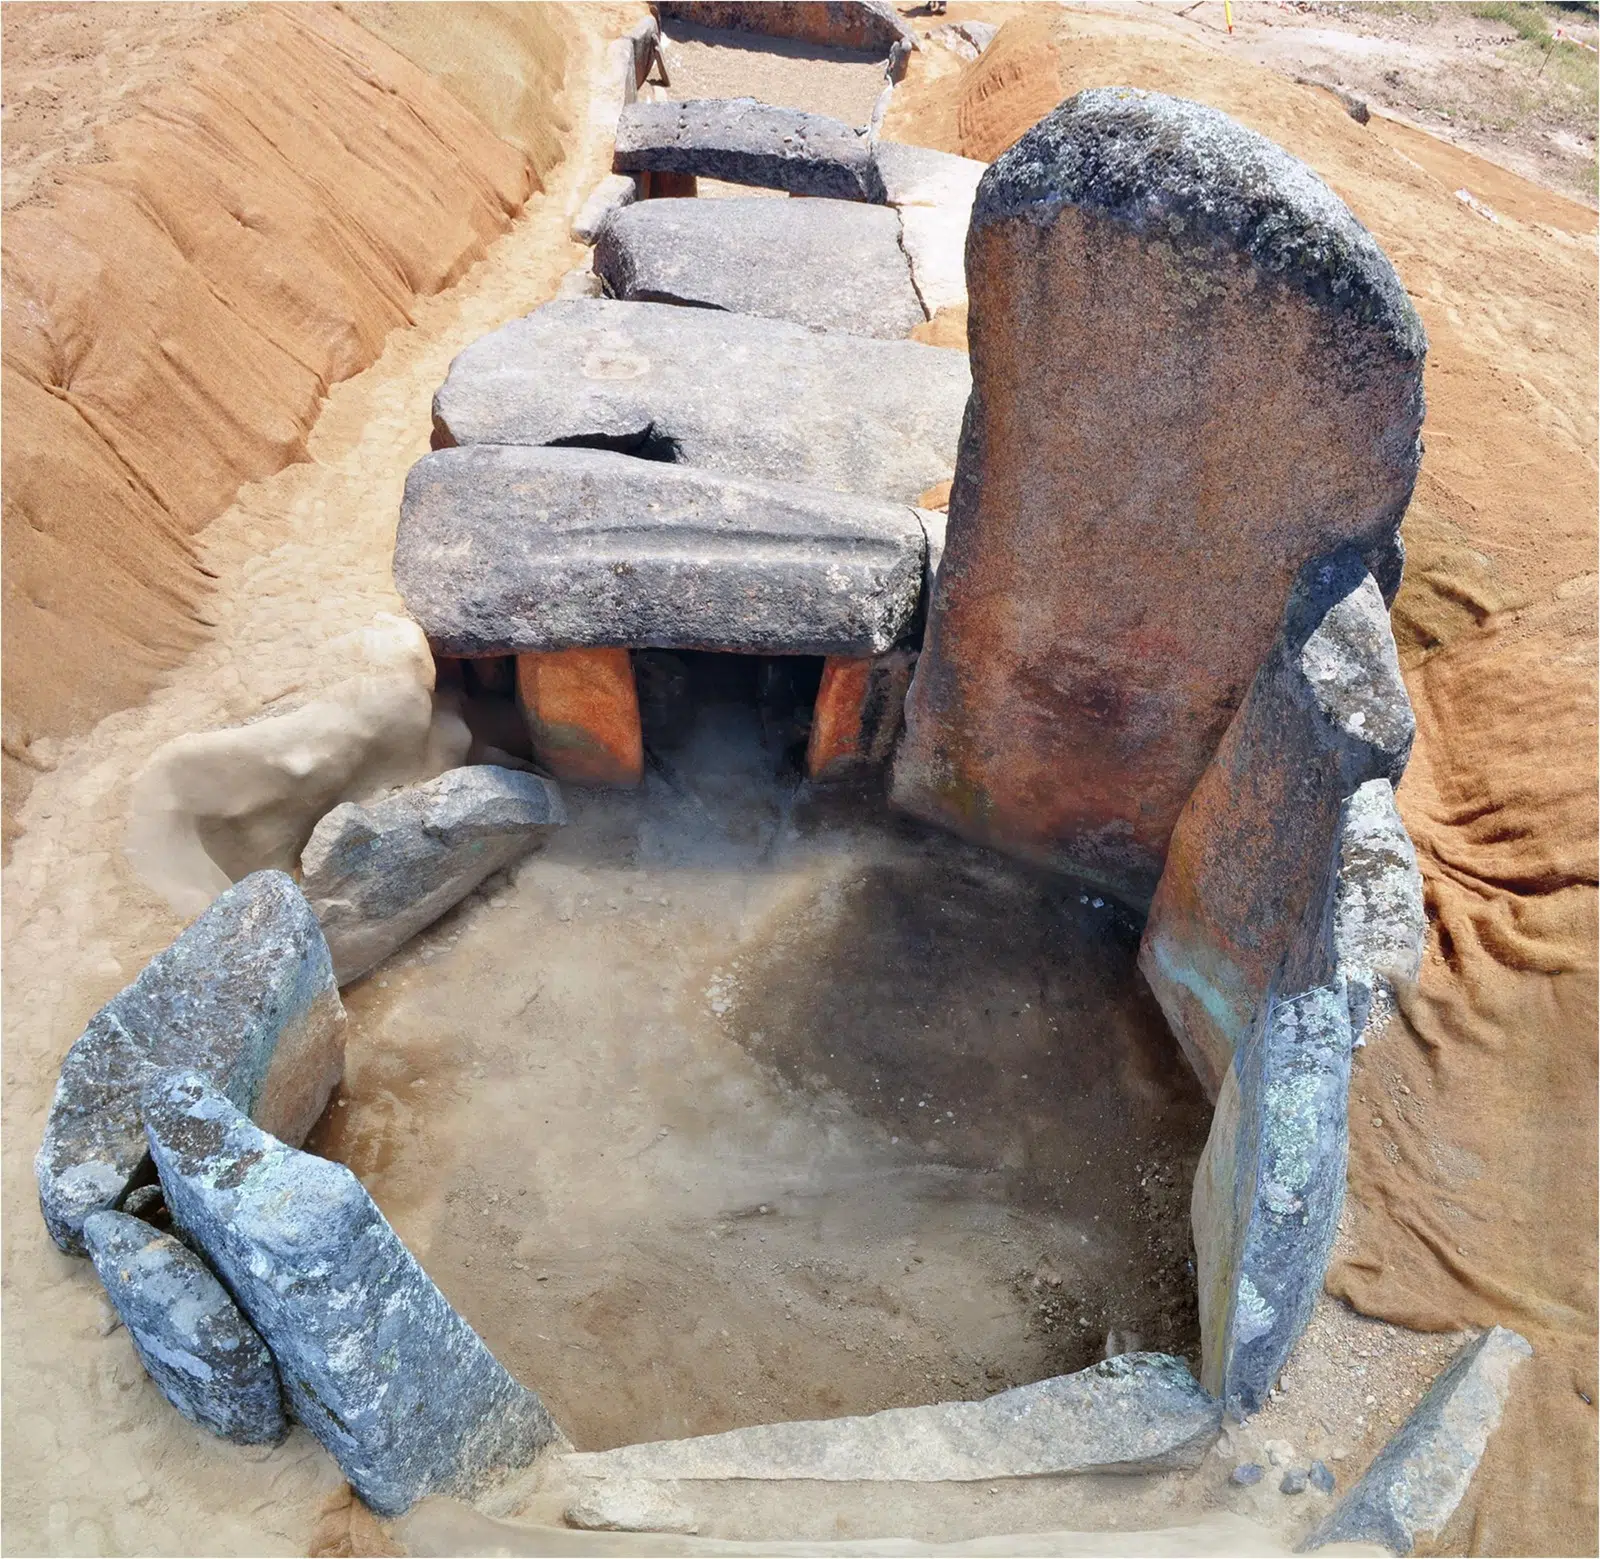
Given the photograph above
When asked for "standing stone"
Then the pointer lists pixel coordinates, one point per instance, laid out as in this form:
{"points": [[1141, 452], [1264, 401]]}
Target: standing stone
{"points": [[1253, 864], [246, 996], [581, 709], [207, 1359], [1138, 1412], [858, 714], [743, 141], [376, 875], [375, 1362], [842, 267], [1268, 1192], [1416, 1481], [1193, 371]]}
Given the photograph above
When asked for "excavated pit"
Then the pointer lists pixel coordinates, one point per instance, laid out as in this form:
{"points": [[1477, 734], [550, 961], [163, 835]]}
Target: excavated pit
{"points": [[747, 1100]]}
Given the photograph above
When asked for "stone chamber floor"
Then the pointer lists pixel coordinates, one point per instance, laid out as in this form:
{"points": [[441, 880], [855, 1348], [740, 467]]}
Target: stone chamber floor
{"points": [[747, 1101]]}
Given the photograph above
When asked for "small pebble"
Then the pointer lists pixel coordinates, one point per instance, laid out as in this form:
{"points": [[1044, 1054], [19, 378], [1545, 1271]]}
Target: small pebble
{"points": [[1294, 1482], [1322, 1478], [1279, 1452], [1246, 1473]]}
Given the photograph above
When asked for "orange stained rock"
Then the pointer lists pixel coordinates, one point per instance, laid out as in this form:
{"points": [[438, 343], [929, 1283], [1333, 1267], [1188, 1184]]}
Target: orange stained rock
{"points": [[858, 713], [582, 710]]}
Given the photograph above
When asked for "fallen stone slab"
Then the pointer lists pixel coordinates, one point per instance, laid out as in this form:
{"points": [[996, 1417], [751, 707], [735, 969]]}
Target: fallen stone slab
{"points": [[246, 996], [504, 549], [1252, 869], [842, 265], [920, 176], [1416, 1481], [753, 397], [1138, 1412], [836, 24], [209, 1362], [743, 141], [630, 1505], [376, 875], [1268, 1192], [374, 1361], [1244, 376], [612, 194]]}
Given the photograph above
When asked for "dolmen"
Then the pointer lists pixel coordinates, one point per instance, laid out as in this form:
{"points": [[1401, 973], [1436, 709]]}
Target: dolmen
{"points": [[612, 476]]}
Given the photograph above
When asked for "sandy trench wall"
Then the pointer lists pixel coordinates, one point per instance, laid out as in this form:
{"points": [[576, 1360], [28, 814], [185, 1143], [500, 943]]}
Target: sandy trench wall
{"points": [[175, 312]]}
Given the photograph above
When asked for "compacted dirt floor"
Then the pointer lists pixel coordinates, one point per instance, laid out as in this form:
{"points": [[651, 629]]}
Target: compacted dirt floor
{"points": [[740, 1102]]}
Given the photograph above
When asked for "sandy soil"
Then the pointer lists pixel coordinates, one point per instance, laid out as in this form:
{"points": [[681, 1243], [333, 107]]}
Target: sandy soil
{"points": [[704, 62]]}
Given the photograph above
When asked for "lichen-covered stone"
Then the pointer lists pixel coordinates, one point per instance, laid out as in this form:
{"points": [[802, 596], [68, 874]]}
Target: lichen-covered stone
{"points": [[374, 1361], [1193, 371], [209, 1362], [1254, 864], [1379, 919], [246, 996], [1268, 1192], [1416, 1481], [376, 875], [835, 24], [743, 141], [503, 550], [828, 264], [1138, 1412], [760, 398]]}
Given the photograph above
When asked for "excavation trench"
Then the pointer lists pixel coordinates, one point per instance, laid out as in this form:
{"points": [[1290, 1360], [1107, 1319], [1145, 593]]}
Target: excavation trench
{"points": [[745, 1100]]}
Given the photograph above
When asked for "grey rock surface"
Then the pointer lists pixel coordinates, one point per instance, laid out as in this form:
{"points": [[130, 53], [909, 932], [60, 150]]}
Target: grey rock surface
{"points": [[1416, 1481], [734, 393], [1293, 1481], [1321, 1477], [503, 550], [1379, 919], [1247, 897], [933, 192], [827, 264], [1139, 1412], [630, 1505], [1268, 1193], [743, 141], [1246, 1474], [374, 1361], [376, 875], [920, 176], [246, 996], [840, 24], [209, 1362], [1146, 262]]}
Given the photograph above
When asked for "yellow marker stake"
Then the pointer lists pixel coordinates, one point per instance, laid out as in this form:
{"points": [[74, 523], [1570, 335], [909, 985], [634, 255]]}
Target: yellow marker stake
{"points": [[1227, 13]]}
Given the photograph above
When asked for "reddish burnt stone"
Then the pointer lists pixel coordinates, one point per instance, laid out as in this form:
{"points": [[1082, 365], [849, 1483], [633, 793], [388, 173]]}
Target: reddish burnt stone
{"points": [[582, 711]]}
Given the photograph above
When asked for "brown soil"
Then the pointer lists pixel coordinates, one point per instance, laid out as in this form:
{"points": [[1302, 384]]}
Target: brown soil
{"points": [[278, 187]]}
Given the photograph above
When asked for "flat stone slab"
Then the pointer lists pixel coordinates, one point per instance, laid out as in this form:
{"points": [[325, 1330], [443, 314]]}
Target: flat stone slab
{"points": [[734, 393], [246, 996], [933, 192], [1138, 1412], [630, 1505], [743, 141], [1416, 1481], [209, 1362], [828, 264], [376, 875], [502, 550], [374, 1361], [838, 24]]}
